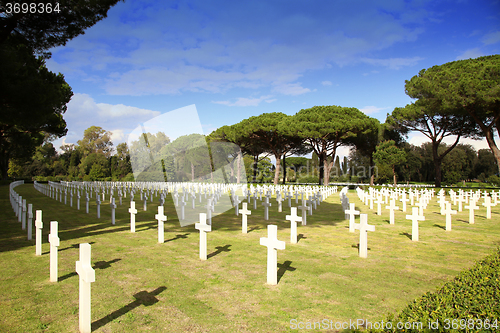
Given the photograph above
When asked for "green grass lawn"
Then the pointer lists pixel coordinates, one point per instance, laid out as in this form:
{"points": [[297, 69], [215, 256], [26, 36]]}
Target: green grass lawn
{"points": [[143, 286]]}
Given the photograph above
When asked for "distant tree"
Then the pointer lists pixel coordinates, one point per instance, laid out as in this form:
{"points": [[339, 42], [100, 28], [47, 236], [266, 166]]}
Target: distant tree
{"points": [[90, 161], [325, 128], [436, 122], [388, 154], [486, 164], [267, 130], [96, 140], [469, 88]]}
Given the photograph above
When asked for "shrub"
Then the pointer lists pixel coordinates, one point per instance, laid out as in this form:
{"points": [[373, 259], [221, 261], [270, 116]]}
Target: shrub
{"points": [[473, 294], [495, 180]]}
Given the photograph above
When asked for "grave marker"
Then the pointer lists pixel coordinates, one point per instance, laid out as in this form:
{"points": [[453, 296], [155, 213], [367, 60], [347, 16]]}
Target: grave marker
{"points": [[266, 205], [448, 211], [415, 217], [392, 207], [273, 244], [471, 207], [352, 212], [38, 232], [30, 221], [54, 244], [161, 220], [293, 218], [203, 227], [244, 212], [363, 227], [132, 212], [87, 276]]}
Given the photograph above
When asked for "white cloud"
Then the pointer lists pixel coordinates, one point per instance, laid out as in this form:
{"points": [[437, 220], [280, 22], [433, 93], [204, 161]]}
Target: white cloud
{"points": [[371, 109], [470, 54], [117, 135], [136, 51], [393, 63], [491, 38], [326, 83], [242, 101], [292, 89]]}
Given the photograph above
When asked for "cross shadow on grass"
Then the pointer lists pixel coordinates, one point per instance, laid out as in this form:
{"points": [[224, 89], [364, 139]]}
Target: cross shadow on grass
{"points": [[439, 226], [356, 246], [97, 265], [300, 236], [178, 236], [405, 234], [252, 229], [141, 298], [72, 246], [220, 249], [282, 268]]}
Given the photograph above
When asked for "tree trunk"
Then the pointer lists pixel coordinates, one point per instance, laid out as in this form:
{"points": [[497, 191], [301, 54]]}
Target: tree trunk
{"points": [[494, 147], [321, 168], [255, 163], [277, 171], [394, 175], [284, 169], [328, 167]]}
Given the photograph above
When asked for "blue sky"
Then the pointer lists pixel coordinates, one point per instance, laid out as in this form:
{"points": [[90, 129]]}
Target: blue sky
{"points": [[236, 59]]}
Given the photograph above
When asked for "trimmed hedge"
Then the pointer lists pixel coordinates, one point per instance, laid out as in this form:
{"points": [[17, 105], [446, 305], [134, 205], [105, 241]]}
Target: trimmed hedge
{"points": [[472, 296]]}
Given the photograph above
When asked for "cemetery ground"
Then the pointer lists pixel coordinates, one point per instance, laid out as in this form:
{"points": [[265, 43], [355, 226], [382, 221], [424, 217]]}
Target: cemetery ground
{"points": [[142, 285]]}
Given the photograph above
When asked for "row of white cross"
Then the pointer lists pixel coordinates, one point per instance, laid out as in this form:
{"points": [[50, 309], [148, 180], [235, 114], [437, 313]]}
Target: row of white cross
{"points": [[423, 196], [83, 266]]}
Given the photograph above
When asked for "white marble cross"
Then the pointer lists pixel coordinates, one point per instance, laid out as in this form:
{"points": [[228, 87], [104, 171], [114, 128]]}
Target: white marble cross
{"points": [[415, 217], [23, 220], [98, 203], [203, 227], [87, 202], [303, 208], [471, 207], [273, 244], [488, 204], [352, 212], [392, 207], [448, 211], [293, 218], [54, 244], [279, 199], [38, 232], [182, 204], [266, 205], [363, 227], [379, 203], [460, 200], [404, 200], [113, 207], [30, 221], [236, 205], [87, 276], [132, 212], [244, 212], [20, 208], [161, 220]]}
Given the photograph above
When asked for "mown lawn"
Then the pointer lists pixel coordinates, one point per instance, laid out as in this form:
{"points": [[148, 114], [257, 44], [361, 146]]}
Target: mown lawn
{"points": [[145, 286]]}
